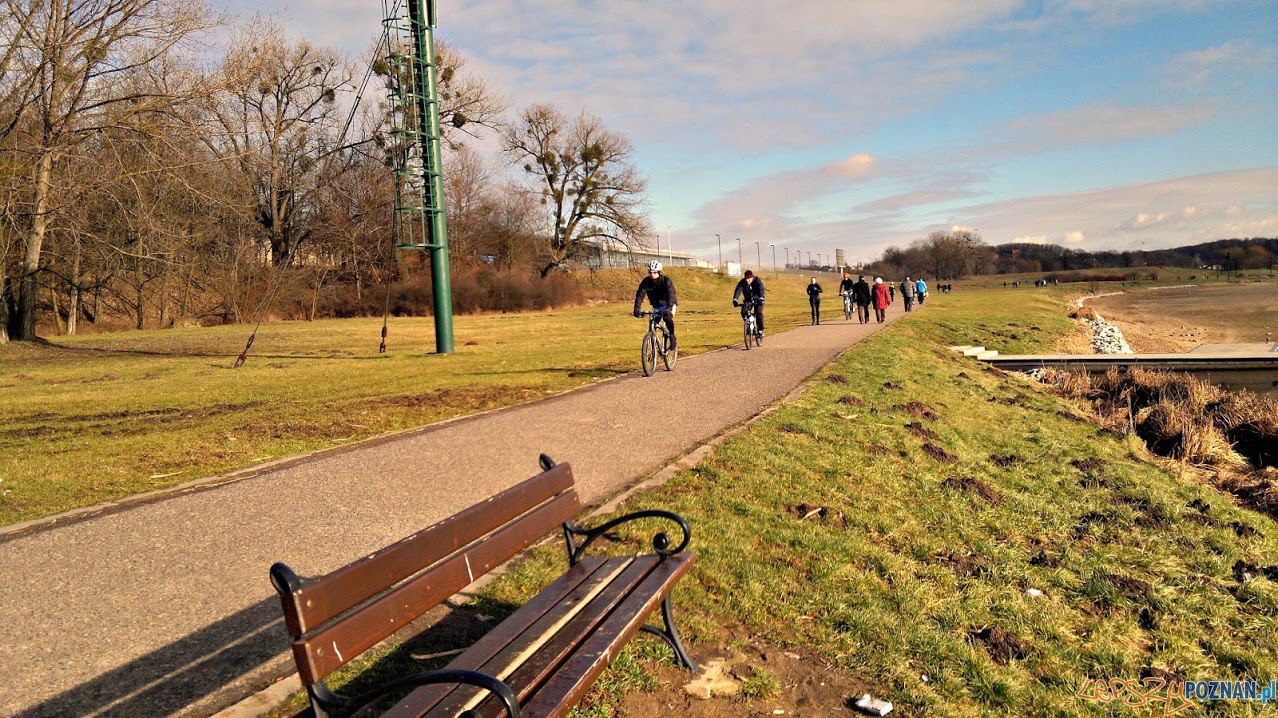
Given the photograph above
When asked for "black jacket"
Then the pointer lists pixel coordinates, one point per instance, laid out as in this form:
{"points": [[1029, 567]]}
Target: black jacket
{"points": [[747, 292], [814, 291], [660, 292], [846, 285], [861, 292]]}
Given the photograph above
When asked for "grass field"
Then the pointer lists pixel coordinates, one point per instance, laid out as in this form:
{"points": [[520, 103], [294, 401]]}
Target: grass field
{"points": [[946, 492], [100, 417]]}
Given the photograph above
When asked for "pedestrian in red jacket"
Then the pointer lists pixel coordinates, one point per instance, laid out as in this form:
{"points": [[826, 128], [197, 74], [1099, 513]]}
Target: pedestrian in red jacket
{"points": [[881, 299]]}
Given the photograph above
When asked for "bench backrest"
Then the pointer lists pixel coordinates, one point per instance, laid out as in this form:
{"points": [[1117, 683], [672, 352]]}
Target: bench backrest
{"points": [[336, 617]]}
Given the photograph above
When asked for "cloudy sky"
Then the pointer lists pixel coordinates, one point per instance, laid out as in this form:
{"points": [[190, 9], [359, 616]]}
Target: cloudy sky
{"points": [[857, 124]]}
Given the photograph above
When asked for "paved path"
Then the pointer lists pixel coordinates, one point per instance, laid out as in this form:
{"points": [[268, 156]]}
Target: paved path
{"points": [[150, 610]]}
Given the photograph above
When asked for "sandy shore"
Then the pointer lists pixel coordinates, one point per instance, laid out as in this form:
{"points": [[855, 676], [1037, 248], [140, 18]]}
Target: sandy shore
{"points": [[1179, 319]]}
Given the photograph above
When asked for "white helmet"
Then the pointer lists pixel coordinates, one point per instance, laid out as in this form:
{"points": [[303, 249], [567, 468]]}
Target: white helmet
{"points": [[654, 266]]}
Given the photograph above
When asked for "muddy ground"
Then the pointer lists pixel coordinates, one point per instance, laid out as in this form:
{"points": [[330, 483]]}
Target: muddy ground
{"points": [[1179, 319]]}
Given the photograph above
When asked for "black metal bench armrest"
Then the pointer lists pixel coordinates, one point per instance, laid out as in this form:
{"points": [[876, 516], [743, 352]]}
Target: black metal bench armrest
{"points": [[481, 680], [660, 542]]}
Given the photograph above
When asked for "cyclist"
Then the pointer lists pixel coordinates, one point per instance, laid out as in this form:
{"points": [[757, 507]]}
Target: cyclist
{"points": [[660, 291], [845, 287], [750, 289]]}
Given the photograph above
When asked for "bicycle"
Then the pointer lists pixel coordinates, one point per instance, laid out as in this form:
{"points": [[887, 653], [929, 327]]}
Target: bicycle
{"points": [[751, 328], [847, 305], [657, 343]]}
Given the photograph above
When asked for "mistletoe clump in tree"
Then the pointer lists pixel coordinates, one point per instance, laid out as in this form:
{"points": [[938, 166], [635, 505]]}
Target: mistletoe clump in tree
{"points": [[590, 189]]}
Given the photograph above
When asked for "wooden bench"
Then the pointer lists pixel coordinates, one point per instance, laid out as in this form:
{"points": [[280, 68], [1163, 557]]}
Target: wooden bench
{"points": [[538, 662]]}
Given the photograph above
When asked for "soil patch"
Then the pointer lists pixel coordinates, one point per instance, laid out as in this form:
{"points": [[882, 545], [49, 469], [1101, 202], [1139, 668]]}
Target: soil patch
{"points": [[922, 431], [875, 449], [1090, 464], [850, 401], [836, 379], [805, 686], [918, 410], [1002, 646], [1004, 461], [939, 454], [966, 565], [975, 486], [891, 387]]}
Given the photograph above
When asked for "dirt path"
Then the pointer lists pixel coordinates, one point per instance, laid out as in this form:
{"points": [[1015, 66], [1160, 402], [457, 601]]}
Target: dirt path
{"points": [[151, 610]]}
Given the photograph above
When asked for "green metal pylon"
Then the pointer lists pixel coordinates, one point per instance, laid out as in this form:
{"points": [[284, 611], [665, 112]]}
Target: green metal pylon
{"points": [[420, 220]]}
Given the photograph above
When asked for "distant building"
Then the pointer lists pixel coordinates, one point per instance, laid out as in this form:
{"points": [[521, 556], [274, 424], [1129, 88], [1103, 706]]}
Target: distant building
{"points": [[594, 255]]}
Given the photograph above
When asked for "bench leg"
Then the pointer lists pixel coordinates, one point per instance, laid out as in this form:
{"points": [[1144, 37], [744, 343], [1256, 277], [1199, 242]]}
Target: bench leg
{"points": [[670, 635]]}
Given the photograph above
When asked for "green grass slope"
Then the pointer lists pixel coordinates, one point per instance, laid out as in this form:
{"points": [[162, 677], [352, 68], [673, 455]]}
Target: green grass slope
{"points": [[946, 492]]}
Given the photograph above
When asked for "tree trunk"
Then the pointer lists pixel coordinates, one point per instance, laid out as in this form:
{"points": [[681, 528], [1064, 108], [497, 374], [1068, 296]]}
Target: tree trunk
{"points": [[25, 326], [164, 298], [57, 315], [4, 309], [97, 302], [73, 301], [141, 295]]}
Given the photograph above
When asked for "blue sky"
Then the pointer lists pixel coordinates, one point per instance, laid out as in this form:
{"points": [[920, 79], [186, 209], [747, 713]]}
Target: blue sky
{"points": [[858, 124]]}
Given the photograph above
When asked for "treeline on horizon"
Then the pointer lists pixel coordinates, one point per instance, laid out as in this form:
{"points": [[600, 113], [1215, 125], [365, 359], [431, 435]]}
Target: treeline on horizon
{"points": [[962, 253]]}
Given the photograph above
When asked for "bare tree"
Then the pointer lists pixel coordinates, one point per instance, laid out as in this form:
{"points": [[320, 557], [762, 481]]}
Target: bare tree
{"points": [[278, 119], [81, 55], [587, 182]]}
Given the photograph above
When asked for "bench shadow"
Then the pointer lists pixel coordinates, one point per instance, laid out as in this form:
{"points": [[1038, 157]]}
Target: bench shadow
{"points": [[170, 678]]}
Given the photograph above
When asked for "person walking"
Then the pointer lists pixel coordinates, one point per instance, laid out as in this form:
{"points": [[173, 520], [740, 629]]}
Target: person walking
{"points": [[908, 291], [814, 301], [881, 300], [891, 292], [921, 288], [861, 295]]}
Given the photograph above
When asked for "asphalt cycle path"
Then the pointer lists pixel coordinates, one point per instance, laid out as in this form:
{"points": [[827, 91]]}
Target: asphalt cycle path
{"points": [[165, 607]]}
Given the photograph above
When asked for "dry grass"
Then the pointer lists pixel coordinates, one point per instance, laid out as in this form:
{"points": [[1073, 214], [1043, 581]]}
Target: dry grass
{"points": [[1232, 434]]}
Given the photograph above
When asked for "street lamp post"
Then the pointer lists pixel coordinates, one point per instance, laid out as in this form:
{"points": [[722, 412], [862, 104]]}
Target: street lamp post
{"points": [[758, 255], [787, 257], [774, 256], [669, 245], [739, 259], [718, 242]]}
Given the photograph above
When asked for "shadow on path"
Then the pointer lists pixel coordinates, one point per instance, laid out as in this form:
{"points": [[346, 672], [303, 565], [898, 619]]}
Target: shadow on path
{"points": [[167, 680]]}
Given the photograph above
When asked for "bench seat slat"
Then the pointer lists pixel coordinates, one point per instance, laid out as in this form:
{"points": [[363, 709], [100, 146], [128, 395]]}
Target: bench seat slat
{"points": [[528, 659], [329, 596], [517, 622], [613, 619], [573, 677], [332, 646]]}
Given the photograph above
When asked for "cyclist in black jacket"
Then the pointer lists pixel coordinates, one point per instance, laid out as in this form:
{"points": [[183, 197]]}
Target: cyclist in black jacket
{"points": [[750, 288], [660, 291]]}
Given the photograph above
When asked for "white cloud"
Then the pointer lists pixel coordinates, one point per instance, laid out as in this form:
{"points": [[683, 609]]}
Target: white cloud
{"points": [[858, 165], [1075, 237], [1031, 239], [1093, 124]]}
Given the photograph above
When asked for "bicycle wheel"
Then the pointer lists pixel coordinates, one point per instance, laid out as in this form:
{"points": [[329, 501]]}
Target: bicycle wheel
{"points": [[749, 335], [670, 356], [758, 339], [648, 353], [847, 310]]}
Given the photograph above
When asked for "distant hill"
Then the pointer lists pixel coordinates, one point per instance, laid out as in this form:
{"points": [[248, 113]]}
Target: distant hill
{"points": [[1226, 254]]}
